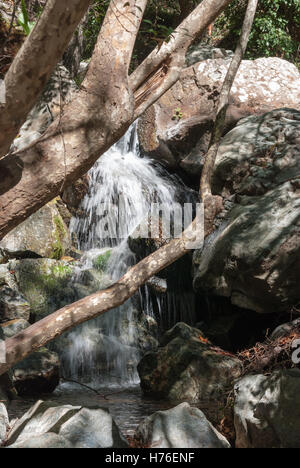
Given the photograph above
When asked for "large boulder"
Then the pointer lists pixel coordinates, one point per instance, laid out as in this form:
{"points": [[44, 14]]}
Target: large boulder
{"points": [[45, 283], [43, 234], [179, 427], [36, 374], [80, 427], [254, 256], [176, 129], [187, 367], [267, 410]]}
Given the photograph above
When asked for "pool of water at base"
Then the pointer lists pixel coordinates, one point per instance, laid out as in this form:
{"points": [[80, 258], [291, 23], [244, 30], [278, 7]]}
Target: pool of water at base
{"points": [[128, 406]]}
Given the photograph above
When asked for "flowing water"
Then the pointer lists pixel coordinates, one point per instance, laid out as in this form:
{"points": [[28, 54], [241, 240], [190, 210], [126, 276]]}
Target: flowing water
{"points": [[105, 351]]}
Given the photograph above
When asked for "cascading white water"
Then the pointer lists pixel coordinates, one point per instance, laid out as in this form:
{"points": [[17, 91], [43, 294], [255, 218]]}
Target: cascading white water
{"points": [[106, 348]]}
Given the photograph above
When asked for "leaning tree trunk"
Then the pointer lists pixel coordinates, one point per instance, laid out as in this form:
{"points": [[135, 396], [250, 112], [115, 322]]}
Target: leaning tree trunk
{"points": [[107, 103], [34, 63], [39, 334]]}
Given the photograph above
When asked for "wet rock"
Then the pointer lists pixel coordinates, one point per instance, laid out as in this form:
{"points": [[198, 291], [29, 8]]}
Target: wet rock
{"points": [[4, 422], [13, 327], [38, 373], [176, 129], [187, 367], [43, 234], [254, 256], [80, 427], [180, 427], [267, 410]]}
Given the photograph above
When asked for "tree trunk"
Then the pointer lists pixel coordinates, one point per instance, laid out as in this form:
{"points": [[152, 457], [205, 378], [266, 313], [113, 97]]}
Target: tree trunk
{"points": [[101, 112], [34, 63]]}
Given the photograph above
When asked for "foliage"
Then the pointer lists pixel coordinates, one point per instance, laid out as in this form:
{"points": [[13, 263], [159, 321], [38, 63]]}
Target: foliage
{"points": [[23, 19], [275, 32], [160, 19], [100, 262], [177, 114]]}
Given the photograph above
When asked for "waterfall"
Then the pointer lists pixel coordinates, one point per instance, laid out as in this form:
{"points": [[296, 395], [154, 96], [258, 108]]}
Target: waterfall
{"points": [[105, 350]]}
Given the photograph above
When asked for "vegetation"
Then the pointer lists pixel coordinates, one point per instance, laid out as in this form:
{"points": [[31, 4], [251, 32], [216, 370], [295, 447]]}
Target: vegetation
{"points": [[276, 29], [23, 19], [100, 262]]}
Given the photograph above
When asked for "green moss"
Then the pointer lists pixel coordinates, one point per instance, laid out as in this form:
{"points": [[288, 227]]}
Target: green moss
{"points": [[100, 262], [45, 284], [60, 233]]}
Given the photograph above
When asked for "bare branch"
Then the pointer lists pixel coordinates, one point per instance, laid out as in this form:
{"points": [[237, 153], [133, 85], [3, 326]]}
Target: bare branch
{"points": [[219, 126]]}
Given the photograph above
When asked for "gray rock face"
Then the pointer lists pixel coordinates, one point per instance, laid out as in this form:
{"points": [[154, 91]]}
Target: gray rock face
{"points": [[43, 234], [180, 427], [75, 426], [199, 52], [187, 367], [13, 304], [4, 422], [13, 327], [176, 129], [38, 373], [59, 90], [267, 410], [48, 441], [254, 256]]}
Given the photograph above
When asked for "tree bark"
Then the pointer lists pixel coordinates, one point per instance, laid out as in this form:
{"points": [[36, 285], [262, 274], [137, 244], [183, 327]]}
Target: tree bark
{"points": [[34, 63], [39, 334], [90, 124], [102, 111]]}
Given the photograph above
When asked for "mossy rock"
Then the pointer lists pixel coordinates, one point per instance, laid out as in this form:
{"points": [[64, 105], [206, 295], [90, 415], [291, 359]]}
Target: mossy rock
{"points": [[45, 284], [101, 261], [43, 234]]}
